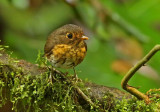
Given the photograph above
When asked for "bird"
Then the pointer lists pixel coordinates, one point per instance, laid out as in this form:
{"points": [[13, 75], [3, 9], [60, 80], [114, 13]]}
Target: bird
{"points": [[65, 47]]}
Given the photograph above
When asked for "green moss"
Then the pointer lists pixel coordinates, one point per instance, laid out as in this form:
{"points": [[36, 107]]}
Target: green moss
{"points": [[36, 93], [135, 105], [2, 99], [39, 93]]}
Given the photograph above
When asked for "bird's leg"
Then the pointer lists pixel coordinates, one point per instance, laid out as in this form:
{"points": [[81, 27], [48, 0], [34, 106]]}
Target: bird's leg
{"points": [[51, 73], [75, 75]]}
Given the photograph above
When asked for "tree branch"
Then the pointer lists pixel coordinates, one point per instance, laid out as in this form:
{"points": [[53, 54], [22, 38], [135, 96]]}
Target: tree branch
{"points": [[88, 94], [133, 70]]}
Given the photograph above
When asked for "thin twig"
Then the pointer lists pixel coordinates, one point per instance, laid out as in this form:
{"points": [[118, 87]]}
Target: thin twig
{"points": [[80, 92], [132, 71], [83, 95], [86, 98]]}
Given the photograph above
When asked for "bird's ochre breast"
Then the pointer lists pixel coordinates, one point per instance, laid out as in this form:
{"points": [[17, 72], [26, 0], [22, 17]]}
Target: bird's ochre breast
{"points": [[67, 56]]}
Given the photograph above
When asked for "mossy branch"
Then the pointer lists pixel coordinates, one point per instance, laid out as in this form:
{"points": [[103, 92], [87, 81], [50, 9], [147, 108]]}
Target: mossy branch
{"points": [[133, 70], [30, 88], [20, 74]]}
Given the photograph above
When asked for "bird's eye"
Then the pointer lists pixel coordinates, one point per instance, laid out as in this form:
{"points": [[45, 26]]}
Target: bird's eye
{"points": [[69, 35]]}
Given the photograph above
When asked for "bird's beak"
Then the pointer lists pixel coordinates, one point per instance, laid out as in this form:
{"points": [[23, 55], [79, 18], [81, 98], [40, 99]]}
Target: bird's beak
{"points": [[84, 38]]}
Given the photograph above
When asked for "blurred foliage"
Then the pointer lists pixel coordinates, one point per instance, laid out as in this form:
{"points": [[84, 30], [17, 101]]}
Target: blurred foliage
{"points": [[121, 32]]}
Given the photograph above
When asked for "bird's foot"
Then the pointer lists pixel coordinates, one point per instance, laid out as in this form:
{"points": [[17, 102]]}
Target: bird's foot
{"points": [[76, 79], [52, 72]]}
